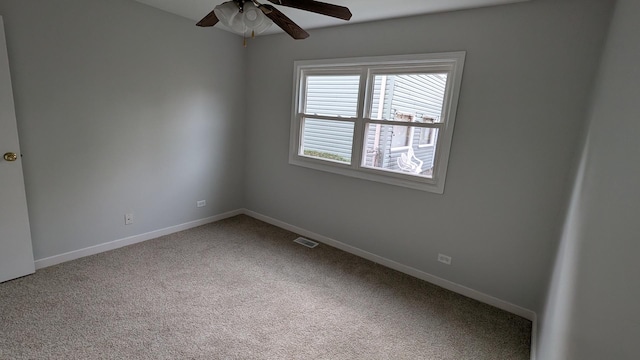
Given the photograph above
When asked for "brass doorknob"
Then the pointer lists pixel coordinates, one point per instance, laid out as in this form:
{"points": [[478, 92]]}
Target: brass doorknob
{"points": [[10, 156]]}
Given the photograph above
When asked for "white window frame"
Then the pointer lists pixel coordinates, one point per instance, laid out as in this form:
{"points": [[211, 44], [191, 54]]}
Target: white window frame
{"points": [[430, 136], [368, 67]]}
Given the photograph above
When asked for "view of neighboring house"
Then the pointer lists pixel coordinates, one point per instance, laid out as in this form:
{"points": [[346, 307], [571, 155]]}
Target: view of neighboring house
{"points": [[405, 98]]}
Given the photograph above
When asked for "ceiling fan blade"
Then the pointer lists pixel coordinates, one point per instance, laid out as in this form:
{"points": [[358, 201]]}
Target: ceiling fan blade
{"points": [[284, 22], [209, 20], [318, 7]]}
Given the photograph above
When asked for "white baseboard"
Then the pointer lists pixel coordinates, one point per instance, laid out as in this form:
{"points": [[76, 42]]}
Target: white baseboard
{"points": [[111, 245], [449, 285]]}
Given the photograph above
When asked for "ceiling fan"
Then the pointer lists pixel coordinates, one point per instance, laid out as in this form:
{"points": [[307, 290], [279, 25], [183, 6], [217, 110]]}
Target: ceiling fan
{"points": [[253, 12]]}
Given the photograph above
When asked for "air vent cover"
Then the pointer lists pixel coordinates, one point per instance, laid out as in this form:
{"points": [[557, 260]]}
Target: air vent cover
{"points": [[306, 242]]}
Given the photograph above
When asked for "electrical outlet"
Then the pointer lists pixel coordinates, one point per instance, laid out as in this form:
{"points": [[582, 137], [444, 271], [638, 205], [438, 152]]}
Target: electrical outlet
{"points": [[444, 259], [201, 203], [128, 219]]}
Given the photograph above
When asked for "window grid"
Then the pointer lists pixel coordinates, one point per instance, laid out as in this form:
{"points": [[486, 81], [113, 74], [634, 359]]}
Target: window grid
{"points": [[449, 64]]}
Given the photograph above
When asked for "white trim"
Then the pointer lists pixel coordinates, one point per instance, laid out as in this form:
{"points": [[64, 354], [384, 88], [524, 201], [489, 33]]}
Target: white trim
{"points": [[449, 285], [111, 245]]}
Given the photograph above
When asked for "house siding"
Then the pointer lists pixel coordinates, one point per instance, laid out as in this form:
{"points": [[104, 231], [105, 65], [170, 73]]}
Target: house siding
{"points": [[419, 95]]}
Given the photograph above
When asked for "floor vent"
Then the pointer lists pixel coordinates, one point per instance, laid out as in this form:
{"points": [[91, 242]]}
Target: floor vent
{"points": [[306, 242]]}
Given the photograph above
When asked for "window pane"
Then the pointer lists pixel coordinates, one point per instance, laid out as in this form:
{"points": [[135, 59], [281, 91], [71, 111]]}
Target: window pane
{"points": [[327, 139], [400, 136], [332, 95], [413, 158], [428, 136], [409, 97]]}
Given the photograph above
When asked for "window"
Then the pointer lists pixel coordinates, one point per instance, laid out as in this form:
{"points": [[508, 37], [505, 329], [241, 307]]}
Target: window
{"points": [[387, 119]]}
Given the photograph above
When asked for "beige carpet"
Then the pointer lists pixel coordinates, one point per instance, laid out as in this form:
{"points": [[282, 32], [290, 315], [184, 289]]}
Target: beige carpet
{"points": [[241, 289]]}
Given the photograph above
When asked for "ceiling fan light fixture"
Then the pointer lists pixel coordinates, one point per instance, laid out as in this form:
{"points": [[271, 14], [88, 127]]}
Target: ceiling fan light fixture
{"points": [[242, 16], [250, 19], [226, 12], [254, 19]]}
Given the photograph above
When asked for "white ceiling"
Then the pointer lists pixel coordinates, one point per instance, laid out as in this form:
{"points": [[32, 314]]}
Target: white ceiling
{"points": [[363, 10]]}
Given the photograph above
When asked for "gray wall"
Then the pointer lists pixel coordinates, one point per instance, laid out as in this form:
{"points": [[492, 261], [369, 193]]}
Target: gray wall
{"points": [[593, 307], [122, 108], [527, 77]]}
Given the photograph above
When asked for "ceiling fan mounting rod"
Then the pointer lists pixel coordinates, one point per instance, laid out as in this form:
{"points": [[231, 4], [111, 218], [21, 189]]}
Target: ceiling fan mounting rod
{"points": [[240, 4]]}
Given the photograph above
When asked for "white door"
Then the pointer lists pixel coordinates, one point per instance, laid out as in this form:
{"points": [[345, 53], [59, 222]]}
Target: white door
{"points": [[16, 255]]}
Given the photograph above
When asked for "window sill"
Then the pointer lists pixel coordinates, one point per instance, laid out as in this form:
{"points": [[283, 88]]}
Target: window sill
{"points": [[388, 177]]}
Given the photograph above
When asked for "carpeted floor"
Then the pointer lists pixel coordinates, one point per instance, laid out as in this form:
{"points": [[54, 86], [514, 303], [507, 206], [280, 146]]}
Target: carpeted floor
{"points": [[241, 289]]}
